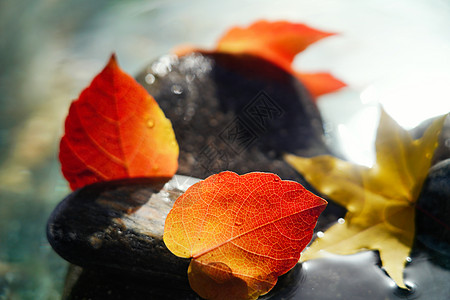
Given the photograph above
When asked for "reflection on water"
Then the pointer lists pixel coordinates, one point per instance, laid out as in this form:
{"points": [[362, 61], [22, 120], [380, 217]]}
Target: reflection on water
{"points": [[357, 276], [389, 53]]}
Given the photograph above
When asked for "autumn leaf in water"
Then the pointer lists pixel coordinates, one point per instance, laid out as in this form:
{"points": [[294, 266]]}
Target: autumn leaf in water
{"points": [[380, 201], [115, 130], [278, 42], [241, 232]]}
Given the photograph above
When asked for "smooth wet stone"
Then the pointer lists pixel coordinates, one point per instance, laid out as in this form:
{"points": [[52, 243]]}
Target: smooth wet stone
{"points": [[119, 225], [433, 209], [95, 284], [234, 112]]}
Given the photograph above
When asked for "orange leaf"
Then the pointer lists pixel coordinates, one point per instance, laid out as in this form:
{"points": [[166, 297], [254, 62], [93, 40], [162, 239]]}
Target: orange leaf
{"points": [[115, 130], [241, 231], [278, 42], [320, 83]]}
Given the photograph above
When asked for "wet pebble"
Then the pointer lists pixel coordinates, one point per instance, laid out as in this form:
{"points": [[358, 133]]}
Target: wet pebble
{"points": [[433, 209], [119, 225], [235, 112]]}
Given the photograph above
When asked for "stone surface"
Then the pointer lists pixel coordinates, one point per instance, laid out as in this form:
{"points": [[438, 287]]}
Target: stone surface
{"points": [[119, 225], [433, 209], [234, 112], [95, 284], [353, 277]]}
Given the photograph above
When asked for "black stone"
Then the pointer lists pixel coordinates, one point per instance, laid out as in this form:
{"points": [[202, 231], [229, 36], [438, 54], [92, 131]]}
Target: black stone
{"points": [[234, 112], [97, 284], [433, 209], [353, 277], [119, 225]]}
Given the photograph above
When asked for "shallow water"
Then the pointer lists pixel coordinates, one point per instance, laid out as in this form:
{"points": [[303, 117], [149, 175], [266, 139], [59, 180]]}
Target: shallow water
{"points": [[389, 53], [359, 276]]}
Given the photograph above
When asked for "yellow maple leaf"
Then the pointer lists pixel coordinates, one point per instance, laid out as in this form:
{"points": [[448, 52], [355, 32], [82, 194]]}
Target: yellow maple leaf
{"points": [[380, 201]]}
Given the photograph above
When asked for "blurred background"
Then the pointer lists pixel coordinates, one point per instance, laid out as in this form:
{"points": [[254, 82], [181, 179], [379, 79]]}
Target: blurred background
{"points": [[393, 53]]}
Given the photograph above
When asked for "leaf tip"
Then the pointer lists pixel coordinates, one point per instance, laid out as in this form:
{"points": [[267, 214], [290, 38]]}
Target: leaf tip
{"points": [[184, 49], [112, 63], [320, 83]]}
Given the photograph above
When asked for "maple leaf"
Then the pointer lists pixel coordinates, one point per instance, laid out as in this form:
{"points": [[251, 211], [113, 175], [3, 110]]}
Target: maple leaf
{"points": [[380, 201], [115, 130], [241, 231], [278, 42]]}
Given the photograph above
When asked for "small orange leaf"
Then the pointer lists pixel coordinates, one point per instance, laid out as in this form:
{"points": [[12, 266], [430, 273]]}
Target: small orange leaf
{"points": [[115, 130], [320, 83], [241, 231], [278, 42]]}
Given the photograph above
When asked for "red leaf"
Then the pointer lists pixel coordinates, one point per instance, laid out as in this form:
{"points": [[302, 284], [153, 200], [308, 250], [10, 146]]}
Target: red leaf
{"points": [[241, 231], [115, 130]]}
